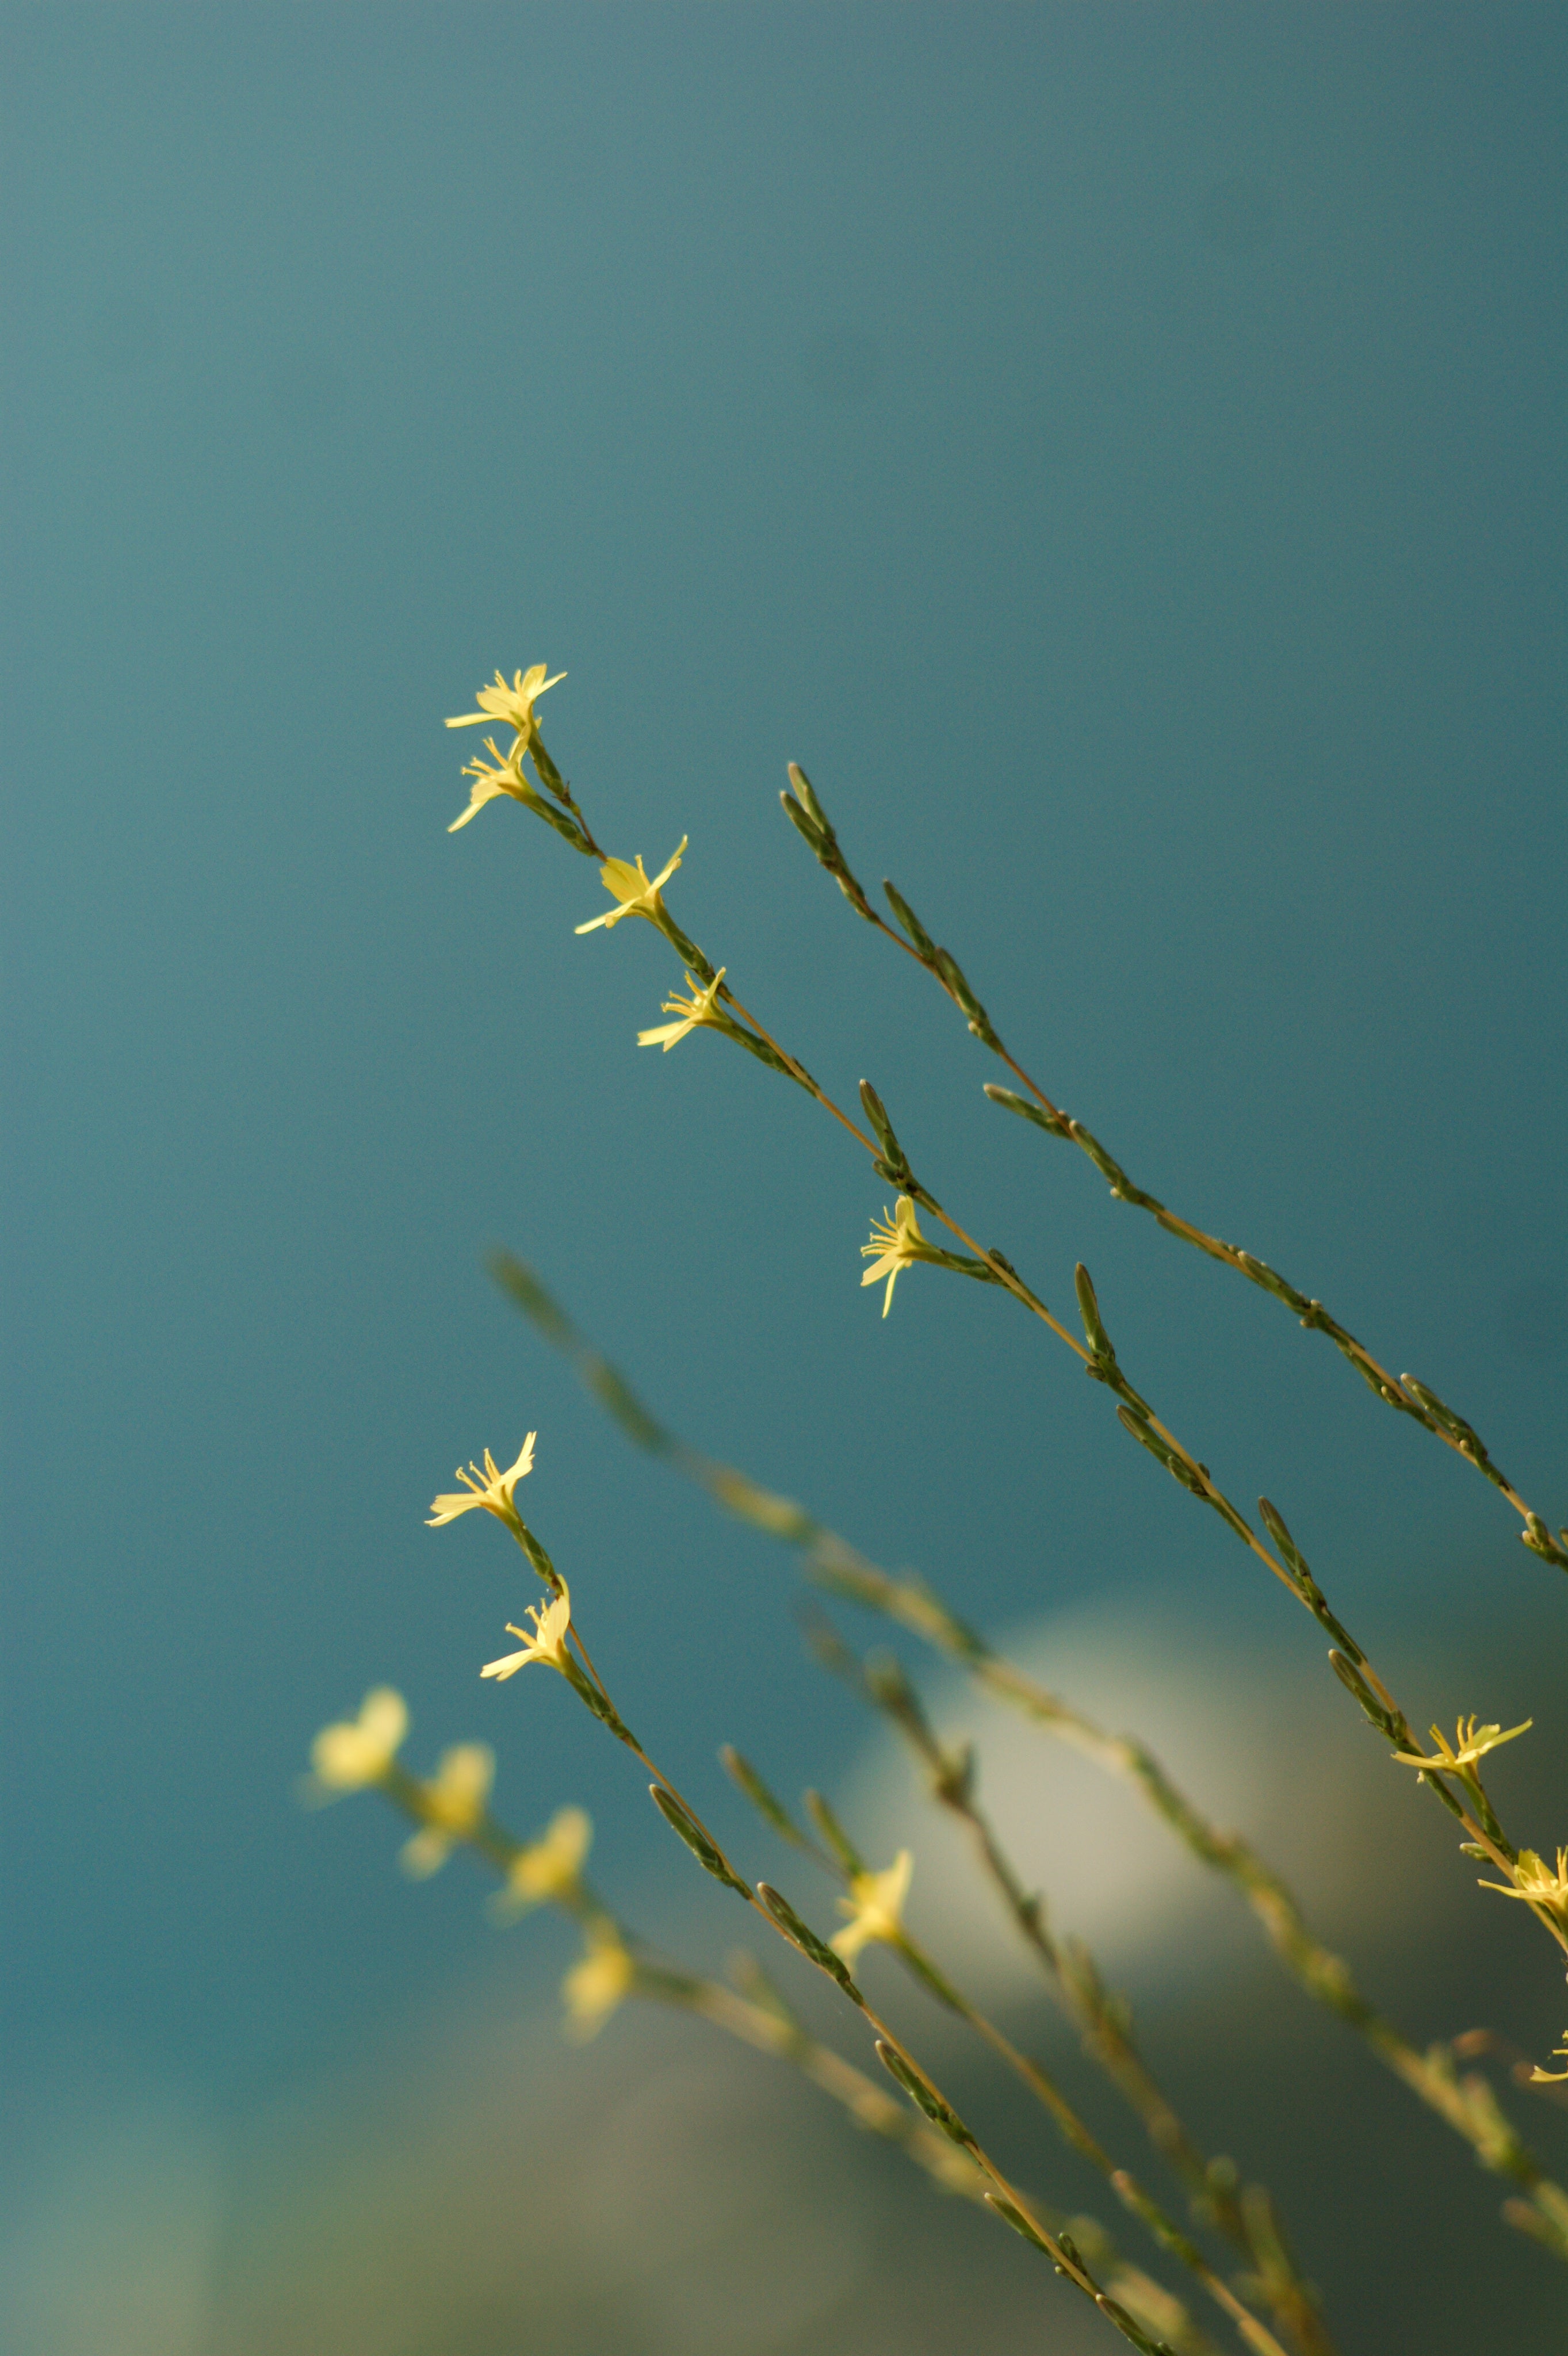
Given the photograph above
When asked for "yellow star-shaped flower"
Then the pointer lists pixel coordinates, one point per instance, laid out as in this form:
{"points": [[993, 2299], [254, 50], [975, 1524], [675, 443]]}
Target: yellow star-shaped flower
{"points": [[698, 1008], [549, 1868], [505, 777], [453, 1804], [876, 1905], [600, 1980], [512, 704], [488, 1487], [355, 1753], [546, 1643], [895, 1244], [1470, 1744], [1535, 1882], [633, 893]]}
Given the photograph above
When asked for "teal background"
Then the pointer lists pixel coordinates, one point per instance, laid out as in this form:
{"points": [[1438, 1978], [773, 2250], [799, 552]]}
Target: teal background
{"points": [[1118, 452]]}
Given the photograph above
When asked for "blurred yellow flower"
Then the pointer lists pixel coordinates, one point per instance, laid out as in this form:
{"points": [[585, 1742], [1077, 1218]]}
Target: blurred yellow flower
{"points": [[600, 1980], [488, 1487], [506, 778], [1470, 1743], [547, 1643], [513, 704], [875, 1903], [549, 1868], [698, 1008], [358, 1751], [454, 1806], [634, 894], [894, 1245], [1533, 1880], [1540, 2077]]}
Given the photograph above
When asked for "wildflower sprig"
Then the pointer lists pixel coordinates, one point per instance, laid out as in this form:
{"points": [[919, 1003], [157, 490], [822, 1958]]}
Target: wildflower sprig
{"points": [[1407, 1396], [1471, 1743], [900, 1242], [513, 706], [616, 1966], [1459, 1791], [607, 1971], [875, 1902], [834, 1565]]}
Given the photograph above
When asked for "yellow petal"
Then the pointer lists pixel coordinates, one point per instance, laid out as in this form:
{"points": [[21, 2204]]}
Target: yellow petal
{"points": [[509, 1666]]}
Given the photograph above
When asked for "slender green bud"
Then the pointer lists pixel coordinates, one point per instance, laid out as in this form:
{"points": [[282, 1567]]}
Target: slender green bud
{"points": [[800, 1934], [1099, 1340], [1271, 1281], [1027, 1112], [1016, 2218], [697, 1840], [833, 1833], [877, 1114], [1110, 1170], [741, 1772], [1444, 1416], [1144, 1434], [806, 795], [803, 825], [952, 973], [1274, 1523], [911, 923], [926, 2097], [1354, 1683]]}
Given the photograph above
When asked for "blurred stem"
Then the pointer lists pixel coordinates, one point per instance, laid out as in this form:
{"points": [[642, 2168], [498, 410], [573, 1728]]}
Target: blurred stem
{"points": [[1467, 2105], [775, 2032]]}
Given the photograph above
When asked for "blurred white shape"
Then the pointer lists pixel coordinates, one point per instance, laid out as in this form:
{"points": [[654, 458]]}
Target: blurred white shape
{"points": [[1262, 1742]]}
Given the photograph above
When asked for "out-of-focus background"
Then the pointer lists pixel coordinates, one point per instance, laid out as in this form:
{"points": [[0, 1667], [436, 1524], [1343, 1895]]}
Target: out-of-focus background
{"points": [[1118, 453]]}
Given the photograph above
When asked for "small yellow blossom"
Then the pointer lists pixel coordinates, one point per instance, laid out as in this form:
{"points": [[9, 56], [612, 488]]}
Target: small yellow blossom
{"points": [[453, 1805], [634, 894], [698, 1008], [1540, 2077], [1470, 1743], [512, 704], [359, 1751], [894, 1245], [1534, 1880], [547, 1643], [488, 1487], [505, 777], [549, 1868], [876, 1904], [600, 1980]]}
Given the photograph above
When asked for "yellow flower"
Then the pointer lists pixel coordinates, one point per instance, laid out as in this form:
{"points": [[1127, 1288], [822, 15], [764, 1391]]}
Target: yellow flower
{"points": [[547, 1643], [1470, 1743], [601, 1978], [491, 1488], [876, 1904], [1534, 1880], [698, 1008], [355, 1753], [635, 896], [506, 778], [894, 1245], [513, 704], [1540, 2077], [453, 1805], [549, 1868]]}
